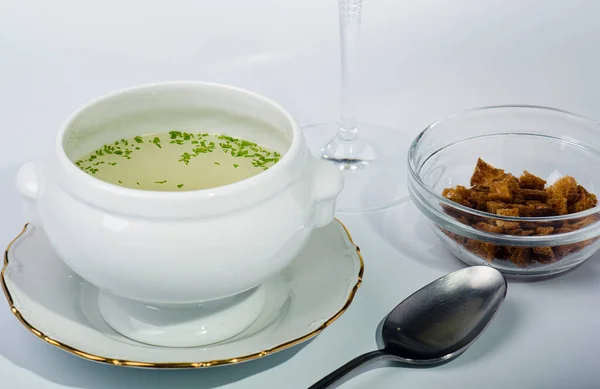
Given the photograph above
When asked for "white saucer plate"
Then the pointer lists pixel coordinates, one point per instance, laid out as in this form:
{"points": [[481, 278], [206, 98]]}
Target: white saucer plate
{"points": [[62, 309]]}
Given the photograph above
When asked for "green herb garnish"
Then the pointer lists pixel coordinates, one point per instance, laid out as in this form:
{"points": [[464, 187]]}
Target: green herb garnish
{"points": [[156, 141], [185, 158]]}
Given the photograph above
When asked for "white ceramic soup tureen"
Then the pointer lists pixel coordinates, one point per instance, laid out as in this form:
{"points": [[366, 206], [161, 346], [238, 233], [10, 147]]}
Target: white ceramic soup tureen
{"points": [[179, 268]]}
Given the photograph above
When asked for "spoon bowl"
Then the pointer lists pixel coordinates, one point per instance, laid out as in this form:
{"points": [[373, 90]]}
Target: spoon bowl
{"points": [[437, 323]]}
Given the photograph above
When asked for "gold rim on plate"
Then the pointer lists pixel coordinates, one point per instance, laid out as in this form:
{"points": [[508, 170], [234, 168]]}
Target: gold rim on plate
{"points": [[175, 365]]}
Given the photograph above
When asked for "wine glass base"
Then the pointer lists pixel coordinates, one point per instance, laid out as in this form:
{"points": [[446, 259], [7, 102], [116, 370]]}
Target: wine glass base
{"points": [[375, 169]]}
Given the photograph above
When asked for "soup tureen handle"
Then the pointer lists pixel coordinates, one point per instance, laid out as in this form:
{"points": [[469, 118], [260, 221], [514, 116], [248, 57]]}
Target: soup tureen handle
{"points": [[29, 186], [328, 182]]}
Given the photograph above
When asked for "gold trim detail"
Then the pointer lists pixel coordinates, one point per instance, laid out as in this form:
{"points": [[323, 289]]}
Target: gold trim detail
{"points": [[176, 365]]}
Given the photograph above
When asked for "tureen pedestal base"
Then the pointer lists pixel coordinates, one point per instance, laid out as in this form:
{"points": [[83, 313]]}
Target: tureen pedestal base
{"points": [[187, 325]]}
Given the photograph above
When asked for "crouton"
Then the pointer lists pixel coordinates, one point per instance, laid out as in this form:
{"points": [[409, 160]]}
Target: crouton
{"points": [[559, 205], [460, 195], [485, 174], [507, 212], [504, 189], [565, 187], [543, 254], [534, 194], [584, 201], [530, 181]]}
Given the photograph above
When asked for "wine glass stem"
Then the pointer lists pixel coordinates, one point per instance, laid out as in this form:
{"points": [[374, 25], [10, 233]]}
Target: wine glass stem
{"points": [[350, 13]]}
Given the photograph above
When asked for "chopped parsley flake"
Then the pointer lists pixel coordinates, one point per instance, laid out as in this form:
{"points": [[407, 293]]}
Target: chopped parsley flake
{"points": [[156, 141]]}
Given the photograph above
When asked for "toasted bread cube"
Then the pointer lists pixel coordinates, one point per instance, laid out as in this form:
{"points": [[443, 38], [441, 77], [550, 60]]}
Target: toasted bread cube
{"points": [[460, 195], [564, 250], [525, 232], [485, 174], [543, 254], [503, 189], [585, 200], [559, 205], [518, 198], [564, 229], [544, 231], [479, 188], [479, 200], [463, 220], [515, 230], [493, 206], [534, 194], [489, 228], [524, 210], [544, 212], [456, 213], [520, 256], [483, 250], [507, 212], [583, 223], [565, 187], [514, 182], [535, 203], [585, 243], [539, 209], [500, 192], [530, 181]]}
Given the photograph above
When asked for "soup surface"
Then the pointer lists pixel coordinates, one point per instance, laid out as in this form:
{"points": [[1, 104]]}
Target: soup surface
{"points": [[177, 161]]}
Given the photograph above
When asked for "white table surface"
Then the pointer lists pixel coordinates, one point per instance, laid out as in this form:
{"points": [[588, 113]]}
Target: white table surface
{"points": [[421, 60]]}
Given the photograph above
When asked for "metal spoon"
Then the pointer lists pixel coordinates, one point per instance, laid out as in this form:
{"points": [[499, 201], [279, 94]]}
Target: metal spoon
{"points": [[436, 323]]}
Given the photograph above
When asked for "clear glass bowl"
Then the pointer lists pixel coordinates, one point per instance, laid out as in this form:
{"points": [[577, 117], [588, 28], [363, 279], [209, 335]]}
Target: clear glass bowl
{"points": [[544, 141]]}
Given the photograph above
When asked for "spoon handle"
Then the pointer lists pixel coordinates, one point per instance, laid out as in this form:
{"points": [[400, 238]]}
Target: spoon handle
{"points": [[329, 379]]}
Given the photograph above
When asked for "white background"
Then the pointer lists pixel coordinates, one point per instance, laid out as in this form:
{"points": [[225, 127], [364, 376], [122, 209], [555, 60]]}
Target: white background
{"points": [[421, 60]]}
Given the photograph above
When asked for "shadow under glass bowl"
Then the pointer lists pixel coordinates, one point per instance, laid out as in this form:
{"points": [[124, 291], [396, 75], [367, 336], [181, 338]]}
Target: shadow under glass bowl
{"points": [[546, 142]]}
